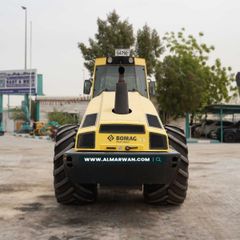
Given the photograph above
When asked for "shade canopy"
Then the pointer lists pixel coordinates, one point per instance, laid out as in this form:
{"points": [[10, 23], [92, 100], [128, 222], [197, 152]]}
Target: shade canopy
{"points": [[224, 108]]}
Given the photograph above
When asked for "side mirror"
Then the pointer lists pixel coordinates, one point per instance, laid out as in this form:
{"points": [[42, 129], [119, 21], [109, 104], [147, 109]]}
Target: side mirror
{"points": [[151, 87], [87, 86]]}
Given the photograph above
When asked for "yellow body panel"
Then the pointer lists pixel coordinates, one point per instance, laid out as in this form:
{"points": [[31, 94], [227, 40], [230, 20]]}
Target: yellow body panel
{"points": [[140, 61], [100, 61], [103, 106]]}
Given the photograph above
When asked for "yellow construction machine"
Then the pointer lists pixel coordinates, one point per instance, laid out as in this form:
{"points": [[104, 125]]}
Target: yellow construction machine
{"points": [[121, 140]]}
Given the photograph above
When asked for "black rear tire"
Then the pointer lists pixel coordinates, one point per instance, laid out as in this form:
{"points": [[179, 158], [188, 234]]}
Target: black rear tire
{"points": [[175, 192], [175, 127], [61, 130], [229, 137], [67, 192]]}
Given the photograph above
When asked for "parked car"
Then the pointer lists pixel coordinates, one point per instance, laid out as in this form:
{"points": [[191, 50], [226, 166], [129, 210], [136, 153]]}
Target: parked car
{"points": [[194, 126], [198, 131], [208, 129], [231, 134]]}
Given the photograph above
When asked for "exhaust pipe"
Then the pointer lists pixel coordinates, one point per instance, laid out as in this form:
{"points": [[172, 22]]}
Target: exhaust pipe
{"points": [[121, 95]]}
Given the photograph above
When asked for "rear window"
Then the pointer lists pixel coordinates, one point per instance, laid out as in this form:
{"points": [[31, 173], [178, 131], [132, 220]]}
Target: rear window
{"points": [[107, 76]]}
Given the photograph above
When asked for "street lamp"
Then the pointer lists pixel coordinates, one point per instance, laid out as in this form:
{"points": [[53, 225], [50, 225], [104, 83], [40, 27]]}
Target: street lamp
{"points": [[25, 58], [25, 62]]}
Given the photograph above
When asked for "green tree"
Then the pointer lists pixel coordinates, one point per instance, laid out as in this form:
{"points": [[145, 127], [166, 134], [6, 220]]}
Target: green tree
{"points": [[112, 33], [179, 84], [17, 114], [186, 82], [63, 117], [148, 46]]}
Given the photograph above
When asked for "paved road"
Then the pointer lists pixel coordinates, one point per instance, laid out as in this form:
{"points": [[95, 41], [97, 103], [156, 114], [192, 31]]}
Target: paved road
{"points": [[28, 209]]}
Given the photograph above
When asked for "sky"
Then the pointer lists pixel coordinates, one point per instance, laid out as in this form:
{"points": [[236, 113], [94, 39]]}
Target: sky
{"points": [[58, 26]]}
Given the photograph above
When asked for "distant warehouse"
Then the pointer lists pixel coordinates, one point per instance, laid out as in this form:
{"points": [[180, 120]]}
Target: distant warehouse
{"points": [[73, 105]]}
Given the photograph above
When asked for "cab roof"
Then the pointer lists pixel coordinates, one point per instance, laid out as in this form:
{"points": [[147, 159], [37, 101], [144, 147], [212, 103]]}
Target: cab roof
{"points": [[120, 60]]}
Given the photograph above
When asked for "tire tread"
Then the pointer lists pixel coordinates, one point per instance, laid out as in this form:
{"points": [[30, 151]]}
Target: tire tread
{"points": [[67, 192], [175, 192]]}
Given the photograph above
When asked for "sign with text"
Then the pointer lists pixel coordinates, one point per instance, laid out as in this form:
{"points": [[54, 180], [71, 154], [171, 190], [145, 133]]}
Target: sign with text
{"points": [[122, 52], [18, 81]]}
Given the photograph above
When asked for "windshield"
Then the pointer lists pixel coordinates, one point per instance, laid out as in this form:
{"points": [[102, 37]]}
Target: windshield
{"points": [[107, 76]]}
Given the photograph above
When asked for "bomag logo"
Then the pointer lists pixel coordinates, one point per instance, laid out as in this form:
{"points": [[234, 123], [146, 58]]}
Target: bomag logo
{"points": [[110, 138], [122, 138], [126, 138]]}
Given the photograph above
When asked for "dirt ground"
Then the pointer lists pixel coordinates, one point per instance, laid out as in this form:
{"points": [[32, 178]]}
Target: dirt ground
{"points": [[28, 209]]}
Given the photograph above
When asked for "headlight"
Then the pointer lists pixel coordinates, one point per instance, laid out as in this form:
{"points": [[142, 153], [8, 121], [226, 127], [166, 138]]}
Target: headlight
{"points": [[130, 60], [157, 141], [86, 140], [109, 60]]}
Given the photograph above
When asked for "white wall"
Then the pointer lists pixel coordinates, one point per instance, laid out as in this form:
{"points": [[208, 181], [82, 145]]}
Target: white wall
{"points": [[8, 124], [65, 106]]}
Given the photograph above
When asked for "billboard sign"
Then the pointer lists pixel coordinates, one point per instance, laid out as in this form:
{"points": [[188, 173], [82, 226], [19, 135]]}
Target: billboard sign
{"points": [[18, 81]]}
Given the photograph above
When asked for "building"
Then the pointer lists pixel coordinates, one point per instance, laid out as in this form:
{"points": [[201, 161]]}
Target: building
{"points": [[74, 105]]}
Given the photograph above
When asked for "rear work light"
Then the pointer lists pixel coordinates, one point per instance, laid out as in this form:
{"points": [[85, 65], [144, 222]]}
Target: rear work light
{"points": [[157, 141], [153, 121], [90, 120], [86, 140]]}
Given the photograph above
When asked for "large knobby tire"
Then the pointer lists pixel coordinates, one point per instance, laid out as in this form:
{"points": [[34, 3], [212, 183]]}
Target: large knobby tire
{"points": [[61, 130], [175, 192], [67, 192]]}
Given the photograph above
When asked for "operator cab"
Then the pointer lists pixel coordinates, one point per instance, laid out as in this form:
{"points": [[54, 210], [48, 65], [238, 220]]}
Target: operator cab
{"points": [[106, 75]]}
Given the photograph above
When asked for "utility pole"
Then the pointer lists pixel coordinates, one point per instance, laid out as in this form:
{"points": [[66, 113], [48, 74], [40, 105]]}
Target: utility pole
{"points": [[27, 98], [25, 55], [30, 76]]}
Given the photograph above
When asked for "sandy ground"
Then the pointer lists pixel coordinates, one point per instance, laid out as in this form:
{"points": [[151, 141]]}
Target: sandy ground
{"points": [[28, 209]]}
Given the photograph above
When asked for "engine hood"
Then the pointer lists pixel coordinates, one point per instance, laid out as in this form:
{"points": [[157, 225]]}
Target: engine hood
{"points": [[103, 105]]}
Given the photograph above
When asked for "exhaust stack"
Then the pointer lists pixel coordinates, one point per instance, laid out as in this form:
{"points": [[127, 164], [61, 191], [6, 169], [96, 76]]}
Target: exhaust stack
{"points": [[121, 95]]}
